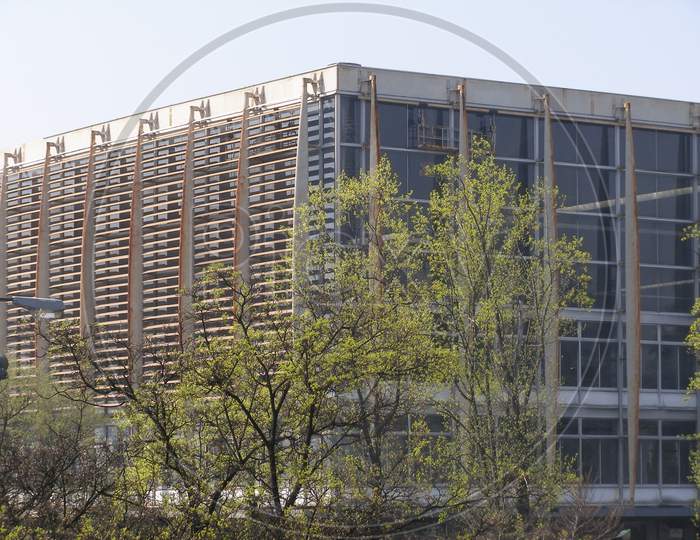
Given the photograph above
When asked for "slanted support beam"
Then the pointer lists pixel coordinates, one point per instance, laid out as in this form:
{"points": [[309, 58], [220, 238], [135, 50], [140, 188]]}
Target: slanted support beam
{"points": [[551, 322], [301, 185], [42, 284], [463, 128], [374, 226], [632, 304], [186, 249], [135, 262], [16, 158], [241, 249], [87, 252]]}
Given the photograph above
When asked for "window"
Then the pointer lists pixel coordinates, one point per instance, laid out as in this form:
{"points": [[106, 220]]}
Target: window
{"points": [[657, 150], [514, 136], [668, 366], [596, 232], [588, 359], [591, 144], [350, 114], [393, 125], [593, 453], [581, 188]]}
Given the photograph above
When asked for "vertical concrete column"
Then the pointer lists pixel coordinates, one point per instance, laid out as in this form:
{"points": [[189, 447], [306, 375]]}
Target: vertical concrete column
{"points": [[463, 128], [632, 303], [87, 251], [135, 264], [41, 289], [241, 249], [551, 345], [375, 233]]}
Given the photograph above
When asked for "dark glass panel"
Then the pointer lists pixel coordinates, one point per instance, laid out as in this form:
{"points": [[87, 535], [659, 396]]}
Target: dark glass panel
{"points": [[666, 289], [669, 367], [569, 361], [590, 363], [672, 332], [608, 364], [649, 462], [609, 461], [350, 160], [514, 136], [599, 426], [524, 173], [676, 428], [648, 332], [673, 151], [670, 462], [644, 149], [393, 125], [687, 365], [417, 181], [661, 243], [568, 448], [580, 188], [650, 364], [684, 452], [602, 285], [599, 330], [664, 196], [567, 426], [648, 427], [596, 144], [399, 164], [350, 114], [596, 232], [590, 460]]}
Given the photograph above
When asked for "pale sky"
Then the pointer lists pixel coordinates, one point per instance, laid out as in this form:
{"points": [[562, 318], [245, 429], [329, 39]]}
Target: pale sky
{"points": [[70, 63]]}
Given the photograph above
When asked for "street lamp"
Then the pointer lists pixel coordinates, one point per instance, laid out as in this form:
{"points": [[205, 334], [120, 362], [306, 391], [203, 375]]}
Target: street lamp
{"points": [[46, 307]]}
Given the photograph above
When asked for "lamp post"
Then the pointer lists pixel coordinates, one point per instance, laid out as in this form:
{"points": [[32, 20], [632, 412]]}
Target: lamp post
{"points": [[47, 307]]}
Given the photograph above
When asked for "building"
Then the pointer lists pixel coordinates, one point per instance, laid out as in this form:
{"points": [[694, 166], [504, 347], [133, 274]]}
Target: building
{"points": [[117, 218]]}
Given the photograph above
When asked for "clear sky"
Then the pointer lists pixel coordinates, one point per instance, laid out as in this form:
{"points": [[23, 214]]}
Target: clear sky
{"points": [[69, 63]]}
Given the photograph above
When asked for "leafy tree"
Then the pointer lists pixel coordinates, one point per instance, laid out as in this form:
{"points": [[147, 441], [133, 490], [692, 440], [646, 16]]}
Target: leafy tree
{"points": [[495, 299]]}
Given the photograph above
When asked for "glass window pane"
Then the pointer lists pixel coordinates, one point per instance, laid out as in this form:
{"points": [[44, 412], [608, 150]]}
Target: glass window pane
{"points": [[670, 462], [350, 160], [590, 363], [420, 184], [677, 428], [596, 144], [684, 453], [671, 332], [590, 460], [609, 461], [669, 367], [568, 448], [399, 164], [648, 427], [567, 426], [649, 462], [650, 365], [350, 111], [673, 151], [608, 364], [599, 426], [393, 125], [569, 361], [514, 136], [596, 233], [687, 365]]}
